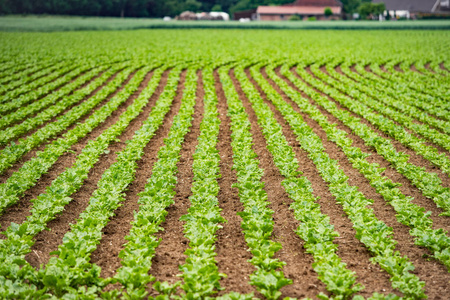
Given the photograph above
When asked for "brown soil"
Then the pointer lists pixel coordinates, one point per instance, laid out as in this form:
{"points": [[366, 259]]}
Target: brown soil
{"points": [[16, 166], [231, 248], [414, 158], [383, 68], [18, 212], [427, 270], [113, 239], [48, 241], [350, 249], [170, 252], [424, 140], [398, 69], [429, 68], [407, 188], [53, 119], [442, 66], [413, 68]]}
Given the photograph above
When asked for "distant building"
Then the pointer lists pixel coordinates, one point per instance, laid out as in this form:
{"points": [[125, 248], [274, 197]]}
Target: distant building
{"points": [[302, 8], [245, 14], [413, 8]]}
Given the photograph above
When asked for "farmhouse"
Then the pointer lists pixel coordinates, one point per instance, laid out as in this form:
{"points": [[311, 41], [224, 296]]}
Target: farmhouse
{"points": [[414, 8], [303, 8]]}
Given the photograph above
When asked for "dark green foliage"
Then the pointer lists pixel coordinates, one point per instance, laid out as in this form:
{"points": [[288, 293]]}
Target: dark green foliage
{"points": [[127, 8]]}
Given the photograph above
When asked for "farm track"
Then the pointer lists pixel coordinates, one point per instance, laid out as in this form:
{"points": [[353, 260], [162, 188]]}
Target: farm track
{"points": [[231, 246]]}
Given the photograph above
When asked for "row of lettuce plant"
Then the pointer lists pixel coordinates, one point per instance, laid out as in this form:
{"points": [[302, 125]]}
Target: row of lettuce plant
{"points": [[64, 104], [408, 213], [158, 195], [32, 170], [315, 228], [54, 99], [14, 151], [389, 75], [13, 103], [388, 96], [373, 233], [70, 271], [28, 77], [44, 84], [435, 67], [415, 82], [387, 125], [9, 66], [427, 96], [429, 183], [257, 222], [20, 237], [200, 272], [415, 68], [411, 97]]}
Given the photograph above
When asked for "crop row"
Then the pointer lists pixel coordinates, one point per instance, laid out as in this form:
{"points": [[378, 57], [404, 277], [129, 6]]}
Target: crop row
{"points": [[33, 169], [14, 151], [429, 183], [408, 213], [35, 92], [373, 233], [371, 91], [257, 223], [22, 113], [428, 103]]}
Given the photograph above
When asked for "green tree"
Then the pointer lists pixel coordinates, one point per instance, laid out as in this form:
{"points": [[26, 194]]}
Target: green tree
{"points": [[328, 12], [350, 6], [216, 7]]}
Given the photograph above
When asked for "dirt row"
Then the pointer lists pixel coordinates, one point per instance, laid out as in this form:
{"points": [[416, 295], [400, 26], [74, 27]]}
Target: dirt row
{"points": [[231, 249]]}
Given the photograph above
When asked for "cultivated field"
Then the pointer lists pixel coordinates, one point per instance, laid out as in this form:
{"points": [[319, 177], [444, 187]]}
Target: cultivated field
{"points": [[230, 164]]}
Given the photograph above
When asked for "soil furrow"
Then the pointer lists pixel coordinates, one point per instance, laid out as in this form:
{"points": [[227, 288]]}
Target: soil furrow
{"points": [[414, 157], [16, 166], [231, 248], [429, 68], [432, 272], [107, 253], [18, 212], [416, 121], [48, 241], [413, 68], [407, 188], [53, 119], [170, 252], [350, 249]]}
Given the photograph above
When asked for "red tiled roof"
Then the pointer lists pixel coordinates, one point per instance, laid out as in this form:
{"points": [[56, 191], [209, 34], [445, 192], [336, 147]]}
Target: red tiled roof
{"points": [[323, 3], [299, 10]]}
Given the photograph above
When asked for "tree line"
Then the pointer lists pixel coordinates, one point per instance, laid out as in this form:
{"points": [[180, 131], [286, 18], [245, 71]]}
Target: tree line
{"points": [[141, 8]]}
